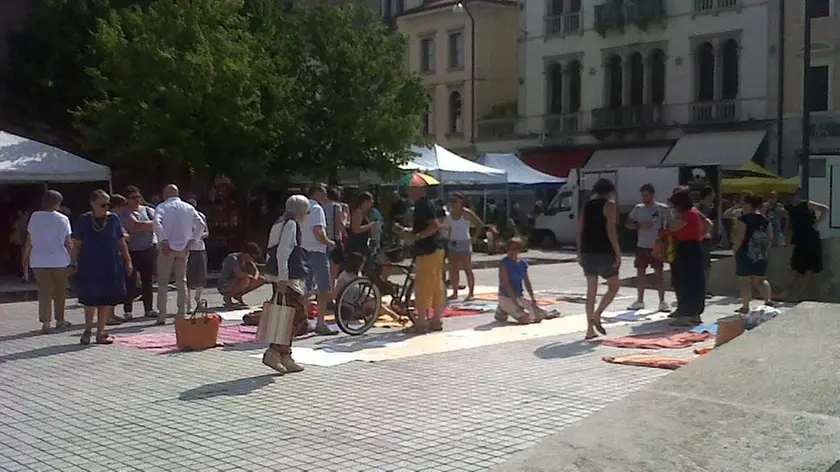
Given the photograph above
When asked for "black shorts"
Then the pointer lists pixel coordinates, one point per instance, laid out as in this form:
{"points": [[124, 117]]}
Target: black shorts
{"points": [[601, 265]]}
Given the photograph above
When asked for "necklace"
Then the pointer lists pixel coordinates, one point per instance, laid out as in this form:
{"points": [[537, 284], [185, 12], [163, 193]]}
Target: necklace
{"points": [[99, 227]]}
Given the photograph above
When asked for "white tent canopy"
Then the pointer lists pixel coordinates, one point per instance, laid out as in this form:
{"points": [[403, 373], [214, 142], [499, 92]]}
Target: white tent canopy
{"points": [[518, 172], [451, 168], [25, 160]]}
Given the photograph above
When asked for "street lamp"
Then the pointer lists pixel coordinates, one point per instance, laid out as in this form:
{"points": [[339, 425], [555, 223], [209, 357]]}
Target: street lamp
{"points": [[461, 7], [805, 157]]}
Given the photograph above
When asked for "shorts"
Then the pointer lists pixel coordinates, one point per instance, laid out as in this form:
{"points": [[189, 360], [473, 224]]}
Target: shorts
{"points": [[197, 269], [598, 265], [507, 306], [645, 258], [319, 278], [460, 247]]}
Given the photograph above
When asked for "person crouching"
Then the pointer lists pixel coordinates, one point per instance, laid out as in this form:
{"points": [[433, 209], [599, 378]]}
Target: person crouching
{"points": [[513, 274]]}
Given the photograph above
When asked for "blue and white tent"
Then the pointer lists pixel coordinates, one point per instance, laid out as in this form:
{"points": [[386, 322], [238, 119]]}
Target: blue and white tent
{"points": [[519, 173]]}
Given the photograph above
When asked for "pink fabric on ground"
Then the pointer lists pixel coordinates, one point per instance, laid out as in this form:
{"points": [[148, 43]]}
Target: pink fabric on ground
{"points": [[164, 342], [677, 339]]}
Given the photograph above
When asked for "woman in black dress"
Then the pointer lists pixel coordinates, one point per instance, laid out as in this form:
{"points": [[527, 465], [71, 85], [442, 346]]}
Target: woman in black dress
{"points": [[751, 245], [101, 258], [358, 234], [804, 217]]}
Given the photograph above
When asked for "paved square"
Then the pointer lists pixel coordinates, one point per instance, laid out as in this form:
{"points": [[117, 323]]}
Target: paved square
{"points": [[66, 407]]}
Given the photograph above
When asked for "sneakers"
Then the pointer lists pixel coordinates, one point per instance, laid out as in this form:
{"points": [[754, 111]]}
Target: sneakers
{"points": [[663, 306], [637, 305], [500, 316]]}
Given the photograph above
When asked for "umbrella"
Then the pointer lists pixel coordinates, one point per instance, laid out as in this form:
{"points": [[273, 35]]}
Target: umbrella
{"points": [[418, 179]]}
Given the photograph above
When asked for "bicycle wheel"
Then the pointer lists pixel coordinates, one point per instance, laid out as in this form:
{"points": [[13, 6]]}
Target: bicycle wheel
{"points": [[358, 306], [409, 292]]}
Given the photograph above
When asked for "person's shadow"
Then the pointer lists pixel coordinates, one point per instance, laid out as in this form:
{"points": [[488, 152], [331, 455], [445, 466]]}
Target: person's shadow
{"points": [[228, 388], [563, 351]]}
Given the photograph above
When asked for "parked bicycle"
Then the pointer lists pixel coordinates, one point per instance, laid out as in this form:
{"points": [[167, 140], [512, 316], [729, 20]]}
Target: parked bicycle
{"points": [[359, 304]]}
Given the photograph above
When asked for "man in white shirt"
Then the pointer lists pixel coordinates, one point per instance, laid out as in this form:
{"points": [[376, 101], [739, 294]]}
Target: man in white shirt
{"points": [[314, 239], [178, 225]]}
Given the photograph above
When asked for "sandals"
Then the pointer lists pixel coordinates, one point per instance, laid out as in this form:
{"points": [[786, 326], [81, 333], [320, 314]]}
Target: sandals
{"points": [[599, 327], [435, 326], [416, 330], [101, 338]]}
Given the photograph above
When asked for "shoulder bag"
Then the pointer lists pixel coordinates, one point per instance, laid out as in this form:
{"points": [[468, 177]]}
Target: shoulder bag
{"points": [[298, 259]]}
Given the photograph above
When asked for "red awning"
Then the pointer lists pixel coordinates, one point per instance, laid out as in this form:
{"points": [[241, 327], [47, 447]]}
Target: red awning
{"points": [[556, 162]]}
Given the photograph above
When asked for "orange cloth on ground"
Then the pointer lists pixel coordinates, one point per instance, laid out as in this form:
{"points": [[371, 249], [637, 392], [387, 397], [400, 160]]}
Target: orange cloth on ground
{"points": [[678, 339], [703, 351], [648, 360]]}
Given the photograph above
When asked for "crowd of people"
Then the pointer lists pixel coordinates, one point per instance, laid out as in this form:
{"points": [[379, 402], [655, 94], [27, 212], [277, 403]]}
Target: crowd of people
{"points": [[123, 245], [682, 233]]}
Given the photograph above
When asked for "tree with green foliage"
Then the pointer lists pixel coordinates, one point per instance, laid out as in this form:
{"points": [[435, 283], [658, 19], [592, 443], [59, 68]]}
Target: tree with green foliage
{"points": [[46, 75], [360, 108], [186, 84]]}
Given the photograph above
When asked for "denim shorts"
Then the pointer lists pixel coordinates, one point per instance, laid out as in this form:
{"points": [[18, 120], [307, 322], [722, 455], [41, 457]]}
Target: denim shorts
{"points": [[460, 247], [319, 277]]}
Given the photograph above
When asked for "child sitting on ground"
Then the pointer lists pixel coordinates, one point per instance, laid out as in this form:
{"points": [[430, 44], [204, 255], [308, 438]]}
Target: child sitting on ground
{"points": [[513, 274], [352, 266]]}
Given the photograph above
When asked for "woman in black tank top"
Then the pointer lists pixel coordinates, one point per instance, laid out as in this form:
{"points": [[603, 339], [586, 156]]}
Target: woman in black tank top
{"points": [[594, 238], [598, 252]]}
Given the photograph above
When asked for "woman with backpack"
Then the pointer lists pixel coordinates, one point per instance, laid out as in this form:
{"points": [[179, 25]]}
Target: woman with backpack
{"points": [[751, 245]]}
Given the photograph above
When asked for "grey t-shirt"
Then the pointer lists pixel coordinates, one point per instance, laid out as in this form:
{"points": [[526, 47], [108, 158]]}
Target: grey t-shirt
{"points": [[140, 240], [229, 266], [656, 214]]}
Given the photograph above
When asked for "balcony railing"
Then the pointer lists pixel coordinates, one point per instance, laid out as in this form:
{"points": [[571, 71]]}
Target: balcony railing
{"points": [[609, 16], [644, 12], [632, 116], [715, 6], [563, 24], [722, 111], [567, 123], [497, 129]]}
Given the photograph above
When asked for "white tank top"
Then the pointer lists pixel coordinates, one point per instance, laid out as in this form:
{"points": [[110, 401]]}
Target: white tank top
{"points": [[460, 228]]}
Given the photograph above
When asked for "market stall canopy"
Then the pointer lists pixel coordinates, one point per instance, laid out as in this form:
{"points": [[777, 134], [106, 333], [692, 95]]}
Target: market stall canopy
{"points": [[518, 173], [25, 160], [752, 177], [451, 168], [728, 149]]}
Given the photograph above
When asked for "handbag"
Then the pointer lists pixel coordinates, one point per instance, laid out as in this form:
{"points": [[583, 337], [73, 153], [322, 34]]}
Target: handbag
{"points": [[277, 322], [298, 264], [198, 331]]}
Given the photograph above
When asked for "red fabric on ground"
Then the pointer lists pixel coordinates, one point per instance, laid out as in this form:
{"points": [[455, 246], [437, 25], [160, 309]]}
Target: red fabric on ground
{"points": [[450, 312], [662, 340], [648, 360]]}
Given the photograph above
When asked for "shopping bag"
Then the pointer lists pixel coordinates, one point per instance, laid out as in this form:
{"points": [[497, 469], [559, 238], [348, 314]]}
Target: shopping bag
{"points": [[200, 330], [277, 322]]}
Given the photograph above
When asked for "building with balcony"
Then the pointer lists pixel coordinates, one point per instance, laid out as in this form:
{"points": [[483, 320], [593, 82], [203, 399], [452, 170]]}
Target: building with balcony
{"points": [[638, 75], [821, 94], [464, 81]]}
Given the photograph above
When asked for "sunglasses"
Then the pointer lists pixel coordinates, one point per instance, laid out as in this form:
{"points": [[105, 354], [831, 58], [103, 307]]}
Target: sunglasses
{"points": [[104, 205]]}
